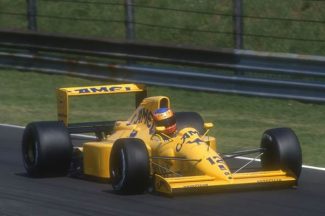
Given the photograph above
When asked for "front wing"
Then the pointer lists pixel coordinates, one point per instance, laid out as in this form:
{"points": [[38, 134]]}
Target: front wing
{"points": [[204, 183]]}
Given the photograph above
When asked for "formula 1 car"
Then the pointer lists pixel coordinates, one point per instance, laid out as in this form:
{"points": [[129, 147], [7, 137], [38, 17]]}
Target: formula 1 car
{"points": [[129, 154]]}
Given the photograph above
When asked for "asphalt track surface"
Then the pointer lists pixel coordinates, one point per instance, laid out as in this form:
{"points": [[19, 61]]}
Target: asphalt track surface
{"points": [[21, 195]]}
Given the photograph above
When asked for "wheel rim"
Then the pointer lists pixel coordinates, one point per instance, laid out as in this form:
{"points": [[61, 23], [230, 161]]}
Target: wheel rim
{"points": [[31, 153], [119, 170]]}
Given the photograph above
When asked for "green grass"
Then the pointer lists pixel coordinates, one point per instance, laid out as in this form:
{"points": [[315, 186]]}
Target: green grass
{"points": [[239, 120], [294, 9]]}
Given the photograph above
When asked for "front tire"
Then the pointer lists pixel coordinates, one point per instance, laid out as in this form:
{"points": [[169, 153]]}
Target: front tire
{"points": [[282, 151], [46, 149], [129, 166], [189, 119]]}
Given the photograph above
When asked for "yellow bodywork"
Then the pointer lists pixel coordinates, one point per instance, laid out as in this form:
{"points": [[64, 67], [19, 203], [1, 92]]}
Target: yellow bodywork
{"points": [[205, 183], [95, 159], [186, 162], [63, 95]]}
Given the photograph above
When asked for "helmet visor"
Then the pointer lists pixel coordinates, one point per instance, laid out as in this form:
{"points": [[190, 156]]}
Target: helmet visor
{"points": [[167, 122]]}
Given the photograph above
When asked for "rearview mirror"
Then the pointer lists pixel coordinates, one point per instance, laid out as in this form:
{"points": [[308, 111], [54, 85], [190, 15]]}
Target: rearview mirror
{"points": [[208, 125]]}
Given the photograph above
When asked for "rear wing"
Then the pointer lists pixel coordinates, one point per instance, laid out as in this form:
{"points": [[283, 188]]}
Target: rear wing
{"points": [[63, 95]]}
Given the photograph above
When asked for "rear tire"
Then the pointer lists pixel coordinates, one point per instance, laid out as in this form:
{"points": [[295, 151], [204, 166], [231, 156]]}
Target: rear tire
{"points": [[129, 166], [189, 119], [282, 151], [46, 149]]}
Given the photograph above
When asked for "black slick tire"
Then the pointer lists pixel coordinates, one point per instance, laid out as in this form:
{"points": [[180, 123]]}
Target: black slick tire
{"points": [[282, 151], [46, 149], [189, 119], [129, 166]]}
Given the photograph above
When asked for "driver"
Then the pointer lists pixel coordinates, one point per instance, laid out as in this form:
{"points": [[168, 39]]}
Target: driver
{"points": [[165, 117]]}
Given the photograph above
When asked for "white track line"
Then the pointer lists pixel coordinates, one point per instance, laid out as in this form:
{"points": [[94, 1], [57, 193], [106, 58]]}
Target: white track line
{"points": [[12, 126], [83, 136], [242, 158], [304, 166], [73, 135]]}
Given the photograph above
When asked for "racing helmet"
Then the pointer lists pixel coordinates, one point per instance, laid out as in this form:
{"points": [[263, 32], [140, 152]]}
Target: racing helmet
{"points": [[165, 117]]}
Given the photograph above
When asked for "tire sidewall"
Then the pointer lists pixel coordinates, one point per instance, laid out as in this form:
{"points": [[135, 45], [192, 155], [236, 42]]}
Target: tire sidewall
{"points": [[121, 157], [130, 157], [31, 140], [53, 149], [282, 151]]}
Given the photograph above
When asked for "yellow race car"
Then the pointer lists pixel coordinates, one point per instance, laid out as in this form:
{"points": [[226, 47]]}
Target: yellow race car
{"points": [[165, 151]]}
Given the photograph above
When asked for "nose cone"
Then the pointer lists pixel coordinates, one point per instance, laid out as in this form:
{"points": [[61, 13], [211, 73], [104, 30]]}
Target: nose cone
{"points": [[191, 146]]}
